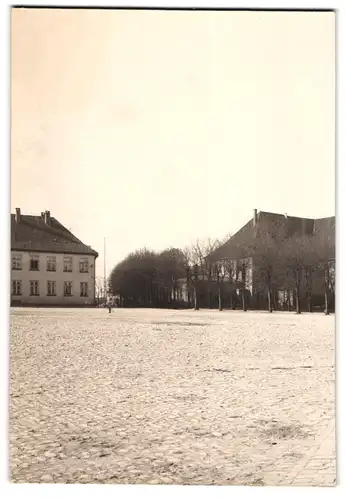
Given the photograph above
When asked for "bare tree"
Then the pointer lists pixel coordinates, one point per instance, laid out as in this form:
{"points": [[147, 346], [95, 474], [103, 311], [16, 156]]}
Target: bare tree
{"points": [[308, 271], [233, 278], [265, 250], [199, 269], [223, 271], [331, 279], [326, 288], [243, 280], [99, 289], [297, 255], [195, 281], [327, 260], [267, 267]]}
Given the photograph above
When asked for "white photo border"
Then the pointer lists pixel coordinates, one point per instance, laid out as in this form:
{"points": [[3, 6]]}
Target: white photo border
{"points": [[14, 491]]}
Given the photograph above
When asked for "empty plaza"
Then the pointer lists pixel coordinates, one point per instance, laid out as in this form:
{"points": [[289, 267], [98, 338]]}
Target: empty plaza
{"points": [[144, 396]]}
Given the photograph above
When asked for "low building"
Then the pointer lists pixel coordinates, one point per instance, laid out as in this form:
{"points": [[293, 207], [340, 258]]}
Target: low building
{"points": [[50, 266]]}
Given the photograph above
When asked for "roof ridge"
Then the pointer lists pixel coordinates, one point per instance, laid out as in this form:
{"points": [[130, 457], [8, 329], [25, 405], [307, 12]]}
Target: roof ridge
{"points": [[285, 215], [325, 218]]}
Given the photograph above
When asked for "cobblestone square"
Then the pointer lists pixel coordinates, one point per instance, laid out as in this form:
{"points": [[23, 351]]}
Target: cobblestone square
{"points": [[172, 397]]}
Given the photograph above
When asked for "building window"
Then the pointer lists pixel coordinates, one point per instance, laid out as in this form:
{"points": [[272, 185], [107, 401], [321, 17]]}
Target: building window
{"points": [[34, 263], [51, 264], [67, 288], [34, 288], [84, 265], [84, 289], [17, 262], [68, 264], [16, 287], [51, 288]]}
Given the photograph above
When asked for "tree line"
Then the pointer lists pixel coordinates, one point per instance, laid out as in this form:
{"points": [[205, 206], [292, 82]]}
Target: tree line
{"points": [[146, 278], [295, 266]]}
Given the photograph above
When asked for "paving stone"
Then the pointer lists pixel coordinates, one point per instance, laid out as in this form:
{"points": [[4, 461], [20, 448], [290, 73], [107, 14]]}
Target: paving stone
{"points": [[107, 398], [46, 478]]}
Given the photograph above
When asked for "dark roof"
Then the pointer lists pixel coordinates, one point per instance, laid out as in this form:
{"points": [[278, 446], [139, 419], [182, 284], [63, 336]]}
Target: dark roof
{"points": [[324, 235], [32, 233], [325, 228], [274, 225], [231, 249]]}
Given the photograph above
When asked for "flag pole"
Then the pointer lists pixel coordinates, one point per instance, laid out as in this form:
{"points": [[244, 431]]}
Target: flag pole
{"points": [[104, 268]]}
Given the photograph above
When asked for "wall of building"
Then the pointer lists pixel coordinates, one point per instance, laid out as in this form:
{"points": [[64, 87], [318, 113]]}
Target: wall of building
{"points": [[25, 275]]}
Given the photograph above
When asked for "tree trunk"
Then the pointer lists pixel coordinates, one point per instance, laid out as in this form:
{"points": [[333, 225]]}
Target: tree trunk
{"points": [[309, 300], [308, 288], [326, 290], [269, 284], [326, 303], [210, 293], [196, 299], [220, 299], [298, 309], [297, 290], [210, 299], [243, 301], [270, 307]]}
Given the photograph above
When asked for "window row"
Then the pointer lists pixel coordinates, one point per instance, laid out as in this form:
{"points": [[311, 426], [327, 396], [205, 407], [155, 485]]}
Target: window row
{"points": [[36, 262], [50, 290]]}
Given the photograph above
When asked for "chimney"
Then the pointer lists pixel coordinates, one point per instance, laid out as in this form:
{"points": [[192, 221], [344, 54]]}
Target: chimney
{"points": [[17, 216], [47, 217], [255, 217]]}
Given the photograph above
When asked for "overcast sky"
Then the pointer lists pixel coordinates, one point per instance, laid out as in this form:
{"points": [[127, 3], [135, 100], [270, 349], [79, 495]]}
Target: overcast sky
{"points": [[155, 128]]}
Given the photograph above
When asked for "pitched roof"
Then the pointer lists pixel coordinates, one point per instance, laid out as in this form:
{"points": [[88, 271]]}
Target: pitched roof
{"points": [[325, 228], [324, 236], [232, 247], [32, 233], [275, 225]]}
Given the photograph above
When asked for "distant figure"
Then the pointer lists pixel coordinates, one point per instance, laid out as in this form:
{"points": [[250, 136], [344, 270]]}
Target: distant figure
{"points": [[109, 308]]}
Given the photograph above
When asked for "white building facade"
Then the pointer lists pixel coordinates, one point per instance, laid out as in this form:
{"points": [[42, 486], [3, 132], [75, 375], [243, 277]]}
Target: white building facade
{"points": [[63, 277]]}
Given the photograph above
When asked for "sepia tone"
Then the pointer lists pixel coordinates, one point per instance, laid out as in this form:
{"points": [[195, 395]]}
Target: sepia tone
{"points": [[163, 330]]}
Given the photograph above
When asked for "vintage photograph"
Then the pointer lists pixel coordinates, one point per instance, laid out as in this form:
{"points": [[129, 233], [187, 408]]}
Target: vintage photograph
{"points": [[172, 275]]}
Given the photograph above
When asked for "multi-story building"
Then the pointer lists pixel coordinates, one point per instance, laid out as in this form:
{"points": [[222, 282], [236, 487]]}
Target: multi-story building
{"points": [[241, 265], [269, 232], [50, 266]]}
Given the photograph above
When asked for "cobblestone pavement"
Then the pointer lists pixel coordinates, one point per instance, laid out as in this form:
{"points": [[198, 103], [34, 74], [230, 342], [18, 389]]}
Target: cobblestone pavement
{"points": [[172, 397]]}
